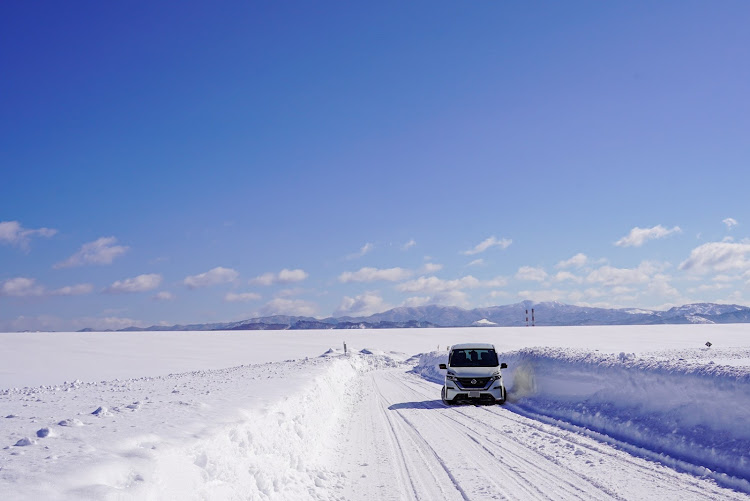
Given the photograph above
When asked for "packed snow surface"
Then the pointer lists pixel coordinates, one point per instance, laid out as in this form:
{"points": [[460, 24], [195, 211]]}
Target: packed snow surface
{"points": [[637, 412]]}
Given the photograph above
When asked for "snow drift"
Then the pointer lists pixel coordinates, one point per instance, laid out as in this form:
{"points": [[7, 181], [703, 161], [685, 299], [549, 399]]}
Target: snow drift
{"points": [[249, 432]]}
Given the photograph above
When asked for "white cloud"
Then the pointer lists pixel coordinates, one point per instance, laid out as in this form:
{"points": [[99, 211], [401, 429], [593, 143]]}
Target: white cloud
{"points": [[141, 283], [730, 222], [264, 279], [575, 297], [291, 276], [366, 248], [21, 287], [574, 262], [495, 282], [708, 288], [563, 276], [25, 287], [660, 286], [293, 307], [451, 298], [408, 245], [544, 295], [364, 304], [488, 244], [445, 298], [725, 278], [215, 276], [639, 236], [718, 257], [734, 298], [433, 285], [232, 297], [416, 301], [594, 293], [285, 276], [163, 296], [24, 323], [100, 251], [12, 233], [74, 290], [476, 262], [531, 273], [430, 268], [374, 274], [611, 276], [362, 251]]}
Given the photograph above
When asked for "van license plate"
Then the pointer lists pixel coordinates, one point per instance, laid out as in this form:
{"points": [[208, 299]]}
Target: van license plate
{"points": [[473, 394]]}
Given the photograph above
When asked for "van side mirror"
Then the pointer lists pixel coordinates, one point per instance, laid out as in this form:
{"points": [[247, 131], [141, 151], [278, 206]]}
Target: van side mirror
{"points": [[442, 366], [503, 365]]}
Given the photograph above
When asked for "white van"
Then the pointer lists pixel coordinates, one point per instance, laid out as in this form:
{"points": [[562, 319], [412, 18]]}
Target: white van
{"points": [[473, 374]]}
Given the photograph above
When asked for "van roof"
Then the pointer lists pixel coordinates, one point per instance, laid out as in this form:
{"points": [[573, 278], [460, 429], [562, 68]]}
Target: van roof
{"points": [[473, 346]]}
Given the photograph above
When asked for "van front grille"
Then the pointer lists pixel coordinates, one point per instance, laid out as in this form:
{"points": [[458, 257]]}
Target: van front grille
{"points": [[475, 382]]}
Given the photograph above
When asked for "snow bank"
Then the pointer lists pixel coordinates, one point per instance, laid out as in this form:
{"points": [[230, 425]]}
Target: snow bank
{"points": [[277, 452], [679, 405], [694, 412], [250, 432], [427, 366]]}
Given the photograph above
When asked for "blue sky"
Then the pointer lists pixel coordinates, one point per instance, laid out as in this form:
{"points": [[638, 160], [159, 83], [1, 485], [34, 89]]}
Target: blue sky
{"points": [[180, 162]]}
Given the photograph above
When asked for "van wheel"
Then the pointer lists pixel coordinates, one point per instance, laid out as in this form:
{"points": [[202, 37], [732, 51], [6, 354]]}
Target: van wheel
{"points": [[442, 396]]}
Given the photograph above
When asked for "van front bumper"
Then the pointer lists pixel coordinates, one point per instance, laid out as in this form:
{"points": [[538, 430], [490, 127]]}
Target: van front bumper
{"points": [[453, 392]]}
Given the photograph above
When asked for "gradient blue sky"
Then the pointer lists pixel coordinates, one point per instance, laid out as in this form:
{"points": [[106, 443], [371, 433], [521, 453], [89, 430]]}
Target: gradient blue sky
{"points": [[179, 162]]}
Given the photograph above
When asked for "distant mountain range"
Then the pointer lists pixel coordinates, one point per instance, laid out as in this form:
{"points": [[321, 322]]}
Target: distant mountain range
{"points": [[512, 315]]}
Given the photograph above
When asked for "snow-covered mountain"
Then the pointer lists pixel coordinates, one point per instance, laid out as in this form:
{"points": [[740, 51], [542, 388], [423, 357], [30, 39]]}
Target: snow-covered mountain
{"points": [[511, 315]]}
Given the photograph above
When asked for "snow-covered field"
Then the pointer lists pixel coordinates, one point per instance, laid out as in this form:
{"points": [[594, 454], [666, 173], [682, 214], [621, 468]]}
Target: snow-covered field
{"points": [[636, 412]]}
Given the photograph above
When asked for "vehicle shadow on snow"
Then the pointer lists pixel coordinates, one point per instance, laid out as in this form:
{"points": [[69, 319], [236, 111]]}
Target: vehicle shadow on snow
{"points": [[423, 405], [437, 404], [434, 404]]}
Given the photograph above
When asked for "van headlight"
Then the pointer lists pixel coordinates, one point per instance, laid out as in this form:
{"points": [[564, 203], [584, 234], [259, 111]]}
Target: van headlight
{"points": [[495, 377], [450, 377]]}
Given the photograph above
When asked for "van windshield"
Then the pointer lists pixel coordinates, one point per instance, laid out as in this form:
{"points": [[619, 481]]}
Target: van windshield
{"points": [[473, 358]]}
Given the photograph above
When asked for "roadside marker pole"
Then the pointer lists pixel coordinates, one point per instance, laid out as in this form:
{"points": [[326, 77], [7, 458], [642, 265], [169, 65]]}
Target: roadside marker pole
{"points": [[527, 318], [533, 323]]}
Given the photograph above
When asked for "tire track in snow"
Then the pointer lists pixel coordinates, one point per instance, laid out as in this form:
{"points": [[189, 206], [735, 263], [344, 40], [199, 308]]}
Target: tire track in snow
{"points": [[549, 482], [484, 434], [427, 453]]}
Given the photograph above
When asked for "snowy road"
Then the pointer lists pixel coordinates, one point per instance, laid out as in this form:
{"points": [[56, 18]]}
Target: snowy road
{"points": [[401, 442], [370, 426]]}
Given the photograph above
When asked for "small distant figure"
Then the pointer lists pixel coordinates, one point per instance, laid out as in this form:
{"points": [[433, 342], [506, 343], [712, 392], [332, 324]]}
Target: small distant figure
{"points": [[708, 343]]}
